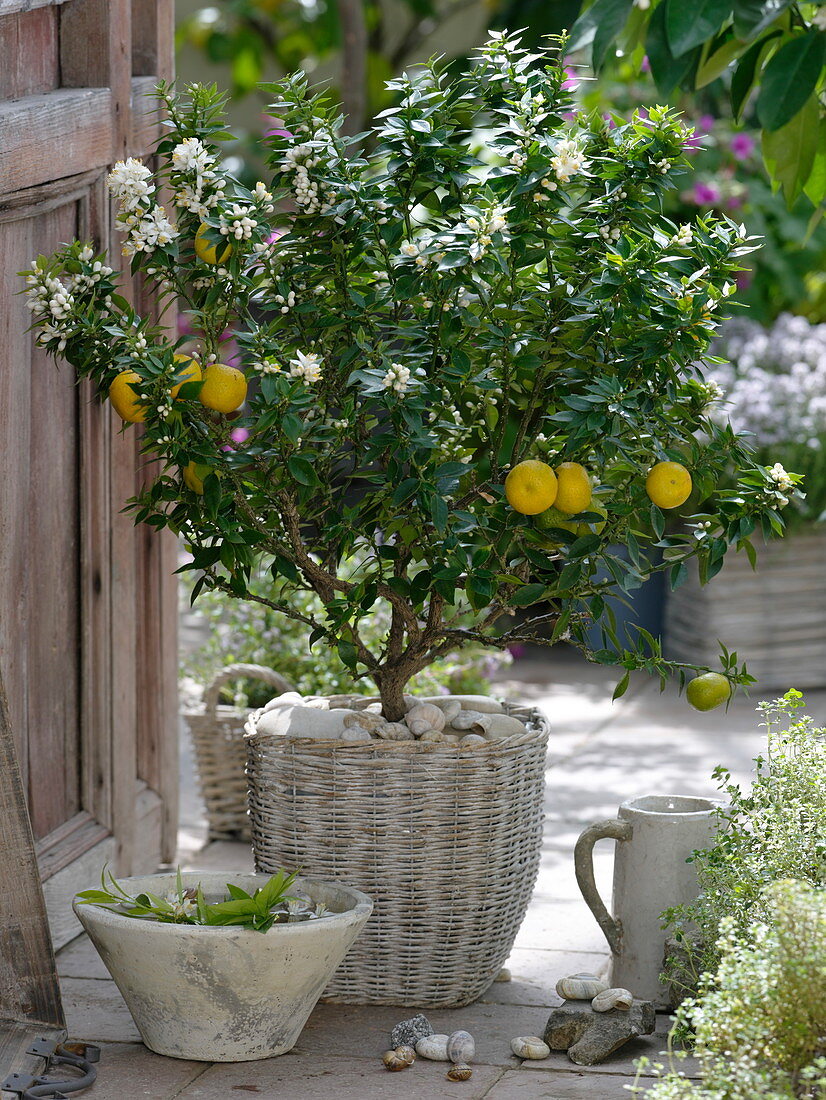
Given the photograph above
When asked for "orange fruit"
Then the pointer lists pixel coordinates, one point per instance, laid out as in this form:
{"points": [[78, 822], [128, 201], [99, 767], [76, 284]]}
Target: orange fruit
{"points": [[668, 484], [208, 250], [530, 487], [708, 691], [187, 369], [194, 474], [224, 389], [125, 400], [574, 488]]}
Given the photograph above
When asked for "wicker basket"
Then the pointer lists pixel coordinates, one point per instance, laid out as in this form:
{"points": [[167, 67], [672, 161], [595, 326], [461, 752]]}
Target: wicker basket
{"points": [[220, 752], [445, 839], [775, 618]]}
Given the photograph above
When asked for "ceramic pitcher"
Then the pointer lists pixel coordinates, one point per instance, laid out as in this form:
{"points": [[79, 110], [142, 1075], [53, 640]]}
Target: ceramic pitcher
{"points": [[655, 836]]}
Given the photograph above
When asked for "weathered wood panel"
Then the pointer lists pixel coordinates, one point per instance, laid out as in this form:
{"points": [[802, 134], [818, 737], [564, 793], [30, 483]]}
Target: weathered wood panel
{"points": [[28, 979], [90, 648], [53, 680], [33, 136], [28, 53], [15, 395]]}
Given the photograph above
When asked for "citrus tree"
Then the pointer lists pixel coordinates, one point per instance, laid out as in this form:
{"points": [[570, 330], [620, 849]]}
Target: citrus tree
{"points": [[468, 357]]}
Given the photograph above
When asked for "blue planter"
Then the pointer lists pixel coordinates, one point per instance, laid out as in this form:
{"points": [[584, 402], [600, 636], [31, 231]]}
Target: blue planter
{"points": [[646, 608]]}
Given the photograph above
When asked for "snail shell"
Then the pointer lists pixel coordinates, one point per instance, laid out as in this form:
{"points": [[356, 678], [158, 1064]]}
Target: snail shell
{"points": [[365, 719], [498, 726], [394, 1061], [459, 1072], [580, 987], [408, 1053], [613, 998], [394, 731], [449, 708], [468, 720], [425, 716], [356, 733], [433, 1047], [473, 739], [432, 735], [461, 1047], [530, 1046]]}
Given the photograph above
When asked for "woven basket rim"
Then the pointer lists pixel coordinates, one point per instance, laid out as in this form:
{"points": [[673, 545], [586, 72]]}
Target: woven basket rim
{"points": [[536, 727]]}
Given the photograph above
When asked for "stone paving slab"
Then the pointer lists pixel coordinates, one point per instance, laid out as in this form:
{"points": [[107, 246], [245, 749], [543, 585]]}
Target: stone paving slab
{"points": [[95, 1011], [537, 1085], [128, 1071], [317, 1075]]}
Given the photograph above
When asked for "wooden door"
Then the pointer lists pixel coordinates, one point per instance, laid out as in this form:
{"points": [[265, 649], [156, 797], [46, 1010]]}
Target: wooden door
{"points": [[87, 602]]}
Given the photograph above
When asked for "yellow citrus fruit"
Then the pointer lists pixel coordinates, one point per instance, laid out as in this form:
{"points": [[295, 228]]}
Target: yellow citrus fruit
{"points": [[224, 388], [208, 251], [124, 399], [194, 474], [187, 369], [574, 491], [668, 484], [708, 691], [530, 487], [553, 517]]}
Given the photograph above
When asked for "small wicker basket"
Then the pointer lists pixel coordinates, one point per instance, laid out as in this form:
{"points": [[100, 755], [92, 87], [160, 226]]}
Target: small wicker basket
{"points": [[446, 840], [220, 752]]}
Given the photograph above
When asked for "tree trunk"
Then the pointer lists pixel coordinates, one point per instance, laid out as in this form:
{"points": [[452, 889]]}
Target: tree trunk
{"points": [[391, 684]]}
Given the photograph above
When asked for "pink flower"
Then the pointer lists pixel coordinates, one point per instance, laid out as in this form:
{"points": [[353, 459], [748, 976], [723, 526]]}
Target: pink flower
{"points": [[276, 130], [275, 235], [705, 124], [742, 146], [571, 81], [645, 67], [239, 435], [705, 194]]}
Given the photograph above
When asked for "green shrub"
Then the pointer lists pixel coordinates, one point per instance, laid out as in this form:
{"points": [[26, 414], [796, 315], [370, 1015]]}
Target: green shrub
{"points": [[776, 830], [760, 1022]]}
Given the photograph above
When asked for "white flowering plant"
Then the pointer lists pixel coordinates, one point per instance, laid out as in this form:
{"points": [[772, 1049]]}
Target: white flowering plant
{"points": [[759, 1021], [491, 285], [774, 830], [772, 384]]}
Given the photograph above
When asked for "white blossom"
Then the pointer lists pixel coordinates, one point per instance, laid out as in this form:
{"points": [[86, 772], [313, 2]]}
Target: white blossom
{"points": [[129, 182], [191, 155], [568, 160], [397, 378], [306, 366]]}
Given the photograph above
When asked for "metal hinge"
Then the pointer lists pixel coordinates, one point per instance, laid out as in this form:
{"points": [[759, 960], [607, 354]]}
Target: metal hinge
{"points": [[79, 1056]]}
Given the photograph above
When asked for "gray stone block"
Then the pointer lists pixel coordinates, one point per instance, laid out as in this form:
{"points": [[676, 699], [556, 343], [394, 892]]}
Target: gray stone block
{"points": [[590, 1037]]}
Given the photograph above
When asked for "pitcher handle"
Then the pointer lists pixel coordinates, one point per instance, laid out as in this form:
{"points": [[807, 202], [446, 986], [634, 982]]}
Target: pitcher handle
{"points": [[584, 867]]}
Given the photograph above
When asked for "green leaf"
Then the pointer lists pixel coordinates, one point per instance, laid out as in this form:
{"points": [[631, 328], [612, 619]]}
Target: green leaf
{"points": [[717, 63], [789, 152], [753, 16], [690, 24], [790, 78], [585, 30], [291, 426], [815, 186], [301, 470], [745, 75], [667, 70], [621, 687], [611, 22], [531, 593]]}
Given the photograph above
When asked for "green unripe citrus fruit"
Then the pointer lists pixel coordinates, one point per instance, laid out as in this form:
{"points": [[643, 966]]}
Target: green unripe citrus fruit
{"points": [[708, 691]]}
